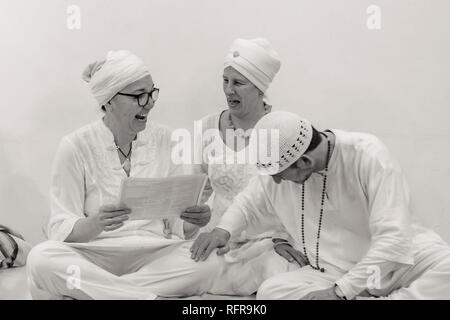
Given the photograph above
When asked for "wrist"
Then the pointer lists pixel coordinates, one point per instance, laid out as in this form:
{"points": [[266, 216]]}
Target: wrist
{"points": [[93, 230], [189, 229], [222, 233], [84, 230]]}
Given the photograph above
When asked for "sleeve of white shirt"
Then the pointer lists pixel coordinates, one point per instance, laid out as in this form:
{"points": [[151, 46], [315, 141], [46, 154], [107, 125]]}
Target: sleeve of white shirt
{"points": [[252, 208], [390, 220], [67, 191]]}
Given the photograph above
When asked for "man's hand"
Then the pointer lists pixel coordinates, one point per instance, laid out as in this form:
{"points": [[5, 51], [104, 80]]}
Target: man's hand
{"points": [[327, 294], [197, 215], [207, 242], [290, 254]]}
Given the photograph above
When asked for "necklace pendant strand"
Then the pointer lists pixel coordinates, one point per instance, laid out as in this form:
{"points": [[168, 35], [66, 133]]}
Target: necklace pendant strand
{"points": [[126, 165], [322, 202], [240, 133]]}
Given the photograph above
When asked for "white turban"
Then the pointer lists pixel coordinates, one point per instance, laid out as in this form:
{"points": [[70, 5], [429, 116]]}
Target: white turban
{"points": [[294, 137], [108, 77], [255, 59]]}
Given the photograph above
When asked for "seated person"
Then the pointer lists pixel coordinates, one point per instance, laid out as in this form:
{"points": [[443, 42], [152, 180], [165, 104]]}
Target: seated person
{"points": [[94, 251], [345, 203], [248, 70]]}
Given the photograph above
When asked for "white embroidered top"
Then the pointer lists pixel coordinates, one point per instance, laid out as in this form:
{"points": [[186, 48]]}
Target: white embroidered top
{"points": [[229, 173], [87, 174]]}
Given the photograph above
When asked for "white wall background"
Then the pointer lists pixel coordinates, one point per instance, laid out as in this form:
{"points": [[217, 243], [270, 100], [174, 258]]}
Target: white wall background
{"points": [[393, 82]]}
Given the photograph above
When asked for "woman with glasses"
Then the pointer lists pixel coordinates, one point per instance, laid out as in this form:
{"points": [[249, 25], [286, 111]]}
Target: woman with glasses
{"points": [[249, 69], [95, 251]]}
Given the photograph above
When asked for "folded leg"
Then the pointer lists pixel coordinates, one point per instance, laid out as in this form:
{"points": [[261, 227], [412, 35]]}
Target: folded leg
{"points": [[56, 270], [297, 284], [429, 279], [171, 272]]}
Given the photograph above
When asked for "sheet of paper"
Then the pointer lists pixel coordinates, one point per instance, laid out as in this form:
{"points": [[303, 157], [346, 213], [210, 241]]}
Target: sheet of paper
{"points": [[156, 198]]}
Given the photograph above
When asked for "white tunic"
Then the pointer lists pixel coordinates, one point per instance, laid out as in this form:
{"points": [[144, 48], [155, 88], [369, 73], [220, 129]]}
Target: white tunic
{"points": [[135, 261], [366, 219], [228, 176], [87, 174]]}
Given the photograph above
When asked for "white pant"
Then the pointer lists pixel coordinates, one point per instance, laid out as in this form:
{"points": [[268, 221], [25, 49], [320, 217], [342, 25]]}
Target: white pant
{"points": [[57, 270], [428, 278], [248, 266]]}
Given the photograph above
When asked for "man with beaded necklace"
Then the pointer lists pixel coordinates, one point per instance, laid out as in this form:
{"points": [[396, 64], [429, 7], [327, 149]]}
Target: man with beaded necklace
{"points": [[345, 204]]}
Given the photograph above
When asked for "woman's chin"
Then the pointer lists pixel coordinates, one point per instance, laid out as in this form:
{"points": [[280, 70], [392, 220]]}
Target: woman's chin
{"points": [[234, 106], [139, 125]]}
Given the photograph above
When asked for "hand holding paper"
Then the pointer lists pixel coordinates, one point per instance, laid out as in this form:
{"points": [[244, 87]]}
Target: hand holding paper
{"points": [[109, 218], [156, 198]]}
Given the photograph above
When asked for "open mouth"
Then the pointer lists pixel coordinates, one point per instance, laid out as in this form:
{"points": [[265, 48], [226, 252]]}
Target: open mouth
{"points": [[233, 102], [141, 117]]}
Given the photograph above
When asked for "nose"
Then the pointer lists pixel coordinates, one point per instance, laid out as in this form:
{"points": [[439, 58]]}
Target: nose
{"points": [[149, 105], [229, 89]]}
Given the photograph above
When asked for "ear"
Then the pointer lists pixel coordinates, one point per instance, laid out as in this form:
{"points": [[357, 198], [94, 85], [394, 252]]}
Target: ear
{"points": [[305, 162]]}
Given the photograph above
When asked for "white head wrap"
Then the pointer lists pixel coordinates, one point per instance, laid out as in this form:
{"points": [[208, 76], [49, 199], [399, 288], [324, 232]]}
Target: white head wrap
{"points": [[294, 135], [255, 59], [109, 76]]}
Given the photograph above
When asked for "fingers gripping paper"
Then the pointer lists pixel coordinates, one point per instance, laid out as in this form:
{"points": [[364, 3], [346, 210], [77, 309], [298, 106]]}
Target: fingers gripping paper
{"points": [[155, 198]]}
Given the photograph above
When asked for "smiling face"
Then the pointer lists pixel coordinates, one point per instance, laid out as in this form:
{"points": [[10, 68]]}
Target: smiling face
{"points": [[125, 112], [243, 97]]}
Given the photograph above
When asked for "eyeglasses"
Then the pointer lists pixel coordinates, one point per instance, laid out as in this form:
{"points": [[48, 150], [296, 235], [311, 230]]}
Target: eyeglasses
{"points": [[144, 97]]}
